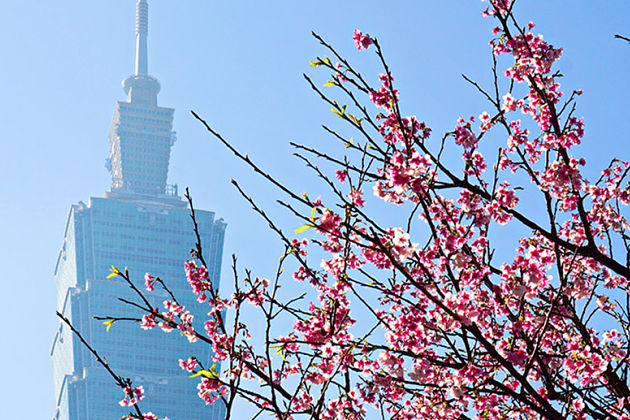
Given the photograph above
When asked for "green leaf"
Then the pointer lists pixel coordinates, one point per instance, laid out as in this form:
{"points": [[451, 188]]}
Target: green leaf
{"points": [[109, 324]]}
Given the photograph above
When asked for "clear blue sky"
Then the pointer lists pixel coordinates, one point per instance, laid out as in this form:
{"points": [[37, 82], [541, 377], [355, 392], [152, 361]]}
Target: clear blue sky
{"points": [[239, 64]]}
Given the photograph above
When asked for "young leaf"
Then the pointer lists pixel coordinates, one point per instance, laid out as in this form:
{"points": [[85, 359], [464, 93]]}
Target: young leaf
{"points": [[337, 113], [307, 225], [303, 228], [212, 373], [279, 349], [114, 272], [356, 120], [109, 324]]}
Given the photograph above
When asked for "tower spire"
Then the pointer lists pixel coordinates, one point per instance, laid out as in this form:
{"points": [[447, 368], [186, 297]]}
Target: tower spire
{"points": [[140, 87], [141, 134], [142, 29]]}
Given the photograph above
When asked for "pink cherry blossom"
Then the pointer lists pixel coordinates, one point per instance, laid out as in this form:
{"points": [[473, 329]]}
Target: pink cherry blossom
{"points": [[362, 42]]}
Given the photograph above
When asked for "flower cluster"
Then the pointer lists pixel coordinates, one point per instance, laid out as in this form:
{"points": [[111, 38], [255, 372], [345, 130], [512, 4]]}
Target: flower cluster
{"points": [[145, 416], [425, 314], [132, 396], [198, 279]]}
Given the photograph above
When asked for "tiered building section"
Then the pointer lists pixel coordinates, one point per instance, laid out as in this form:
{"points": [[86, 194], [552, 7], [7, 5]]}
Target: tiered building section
{"points": [[143, 224]]}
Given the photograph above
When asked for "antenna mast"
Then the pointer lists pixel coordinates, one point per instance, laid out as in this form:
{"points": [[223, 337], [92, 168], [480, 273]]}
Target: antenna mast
{"points": [[142, 29]]}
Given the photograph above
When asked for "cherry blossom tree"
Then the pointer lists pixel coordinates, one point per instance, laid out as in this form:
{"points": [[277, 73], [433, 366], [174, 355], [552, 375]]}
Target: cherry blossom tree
{"points": [[429, 319]]}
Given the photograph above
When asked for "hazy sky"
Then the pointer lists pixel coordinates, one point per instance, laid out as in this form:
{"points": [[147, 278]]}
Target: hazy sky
{"points": [[239, 64]]}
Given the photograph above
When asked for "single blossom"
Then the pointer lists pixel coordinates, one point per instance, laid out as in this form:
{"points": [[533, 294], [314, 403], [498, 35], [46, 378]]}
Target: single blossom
{"points": [[362, 42]]}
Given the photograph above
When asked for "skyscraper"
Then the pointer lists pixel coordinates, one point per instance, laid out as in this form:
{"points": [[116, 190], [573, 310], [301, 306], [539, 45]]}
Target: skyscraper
{"points": [[143, 224]]}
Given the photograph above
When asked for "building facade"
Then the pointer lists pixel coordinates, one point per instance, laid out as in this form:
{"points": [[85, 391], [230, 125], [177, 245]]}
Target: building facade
{"points": [[143, 224]]}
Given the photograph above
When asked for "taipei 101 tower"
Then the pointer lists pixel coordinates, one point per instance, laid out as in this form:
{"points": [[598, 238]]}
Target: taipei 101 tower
{"points": [[141, 223]]}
